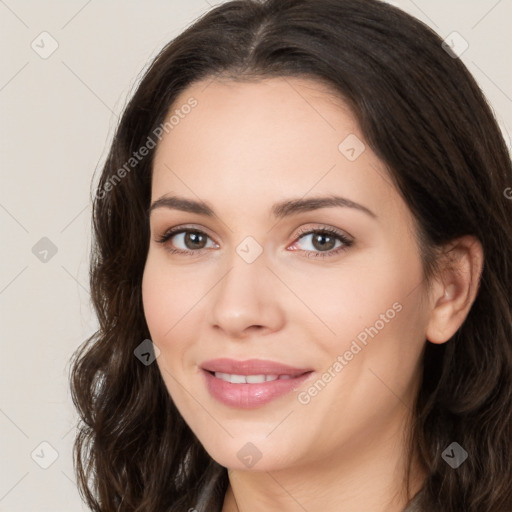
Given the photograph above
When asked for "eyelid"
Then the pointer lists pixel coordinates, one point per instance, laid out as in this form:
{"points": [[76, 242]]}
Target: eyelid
{"points": [[168, 233], [324, 228], [346, 239]]}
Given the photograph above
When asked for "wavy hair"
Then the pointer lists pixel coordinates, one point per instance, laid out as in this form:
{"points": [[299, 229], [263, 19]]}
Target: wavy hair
{"points": [[424, 116]]}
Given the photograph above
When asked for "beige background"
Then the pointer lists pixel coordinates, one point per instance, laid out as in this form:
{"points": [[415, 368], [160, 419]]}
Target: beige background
{"points": [[56, 119]]}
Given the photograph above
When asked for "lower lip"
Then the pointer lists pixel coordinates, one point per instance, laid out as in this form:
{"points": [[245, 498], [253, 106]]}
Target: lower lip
{"points": [[250, 396]]}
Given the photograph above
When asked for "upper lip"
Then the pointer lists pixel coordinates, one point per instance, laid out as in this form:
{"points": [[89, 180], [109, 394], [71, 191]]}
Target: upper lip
{"points": [[251, 367]]}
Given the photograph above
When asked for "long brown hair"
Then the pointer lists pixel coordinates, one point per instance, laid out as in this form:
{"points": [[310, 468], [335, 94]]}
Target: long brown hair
{"points": [[425, 117]]}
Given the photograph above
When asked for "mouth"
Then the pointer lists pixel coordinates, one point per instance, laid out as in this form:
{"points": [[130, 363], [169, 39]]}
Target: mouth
{"points": [[251, 367], [251, 383], [234, 378]]}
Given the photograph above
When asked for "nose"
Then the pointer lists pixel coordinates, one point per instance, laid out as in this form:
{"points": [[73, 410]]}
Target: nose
{"points": [[247, 300]]}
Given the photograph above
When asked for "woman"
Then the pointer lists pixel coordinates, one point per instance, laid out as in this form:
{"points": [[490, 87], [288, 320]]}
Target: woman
{"points": [[302, 274]]}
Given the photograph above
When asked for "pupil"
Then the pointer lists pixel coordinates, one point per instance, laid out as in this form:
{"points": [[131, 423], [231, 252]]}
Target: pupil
{"points": [[195, 238], [322, 245]]}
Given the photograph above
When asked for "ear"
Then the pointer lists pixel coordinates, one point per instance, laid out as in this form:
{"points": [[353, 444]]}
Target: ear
{"points": [[454, 290]]}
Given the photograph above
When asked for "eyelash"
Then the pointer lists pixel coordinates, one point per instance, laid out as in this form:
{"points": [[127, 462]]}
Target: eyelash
{"points": [[322, 254]]}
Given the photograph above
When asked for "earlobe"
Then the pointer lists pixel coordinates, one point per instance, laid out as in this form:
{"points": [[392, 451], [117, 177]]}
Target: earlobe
{"points": [[455, 290]]}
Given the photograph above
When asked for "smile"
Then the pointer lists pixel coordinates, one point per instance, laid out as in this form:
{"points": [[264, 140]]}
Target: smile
{"points": [[252, 383]]}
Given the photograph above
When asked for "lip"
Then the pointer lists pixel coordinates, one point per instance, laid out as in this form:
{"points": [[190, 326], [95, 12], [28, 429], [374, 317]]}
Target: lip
{"points": [[252, 367], [250, 396]]}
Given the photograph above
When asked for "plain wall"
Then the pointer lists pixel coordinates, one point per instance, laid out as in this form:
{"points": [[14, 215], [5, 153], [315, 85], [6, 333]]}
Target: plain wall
{"points": [[57, 116]]}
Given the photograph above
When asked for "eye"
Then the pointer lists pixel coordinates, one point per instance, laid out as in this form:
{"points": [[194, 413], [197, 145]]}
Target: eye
{"points": [[193, 241], [323, 242]]}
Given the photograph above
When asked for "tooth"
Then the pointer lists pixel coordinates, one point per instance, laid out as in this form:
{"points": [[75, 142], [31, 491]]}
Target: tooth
{"points": [[249, 379], [255, 379]]}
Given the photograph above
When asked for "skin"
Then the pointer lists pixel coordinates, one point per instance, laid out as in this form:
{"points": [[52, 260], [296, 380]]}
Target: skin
{"points": [[244, 147]]}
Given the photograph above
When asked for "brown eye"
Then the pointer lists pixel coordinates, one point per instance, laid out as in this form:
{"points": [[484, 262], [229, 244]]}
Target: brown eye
{"points": [[187, 240], [322, 242], [194, 240]]}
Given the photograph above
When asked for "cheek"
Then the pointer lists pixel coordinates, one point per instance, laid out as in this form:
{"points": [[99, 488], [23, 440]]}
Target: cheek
{"points": [[156, 298], [352, 298], [382, 326], [166, 301], [170, 299], [169, 296]]}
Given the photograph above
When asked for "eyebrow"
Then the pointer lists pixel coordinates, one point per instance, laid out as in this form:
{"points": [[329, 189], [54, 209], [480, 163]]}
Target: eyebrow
{"points": [[279, 210]]}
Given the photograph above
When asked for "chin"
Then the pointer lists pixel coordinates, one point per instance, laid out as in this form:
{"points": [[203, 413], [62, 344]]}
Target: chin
{"points": [[245, 455]]}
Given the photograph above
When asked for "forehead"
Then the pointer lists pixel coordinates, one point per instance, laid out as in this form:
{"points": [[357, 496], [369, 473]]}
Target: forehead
{"points": [[286, 102], [278, 137]]}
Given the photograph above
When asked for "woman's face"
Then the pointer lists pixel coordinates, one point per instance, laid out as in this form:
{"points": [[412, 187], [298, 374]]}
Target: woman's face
{"points": [[342, 307]]}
